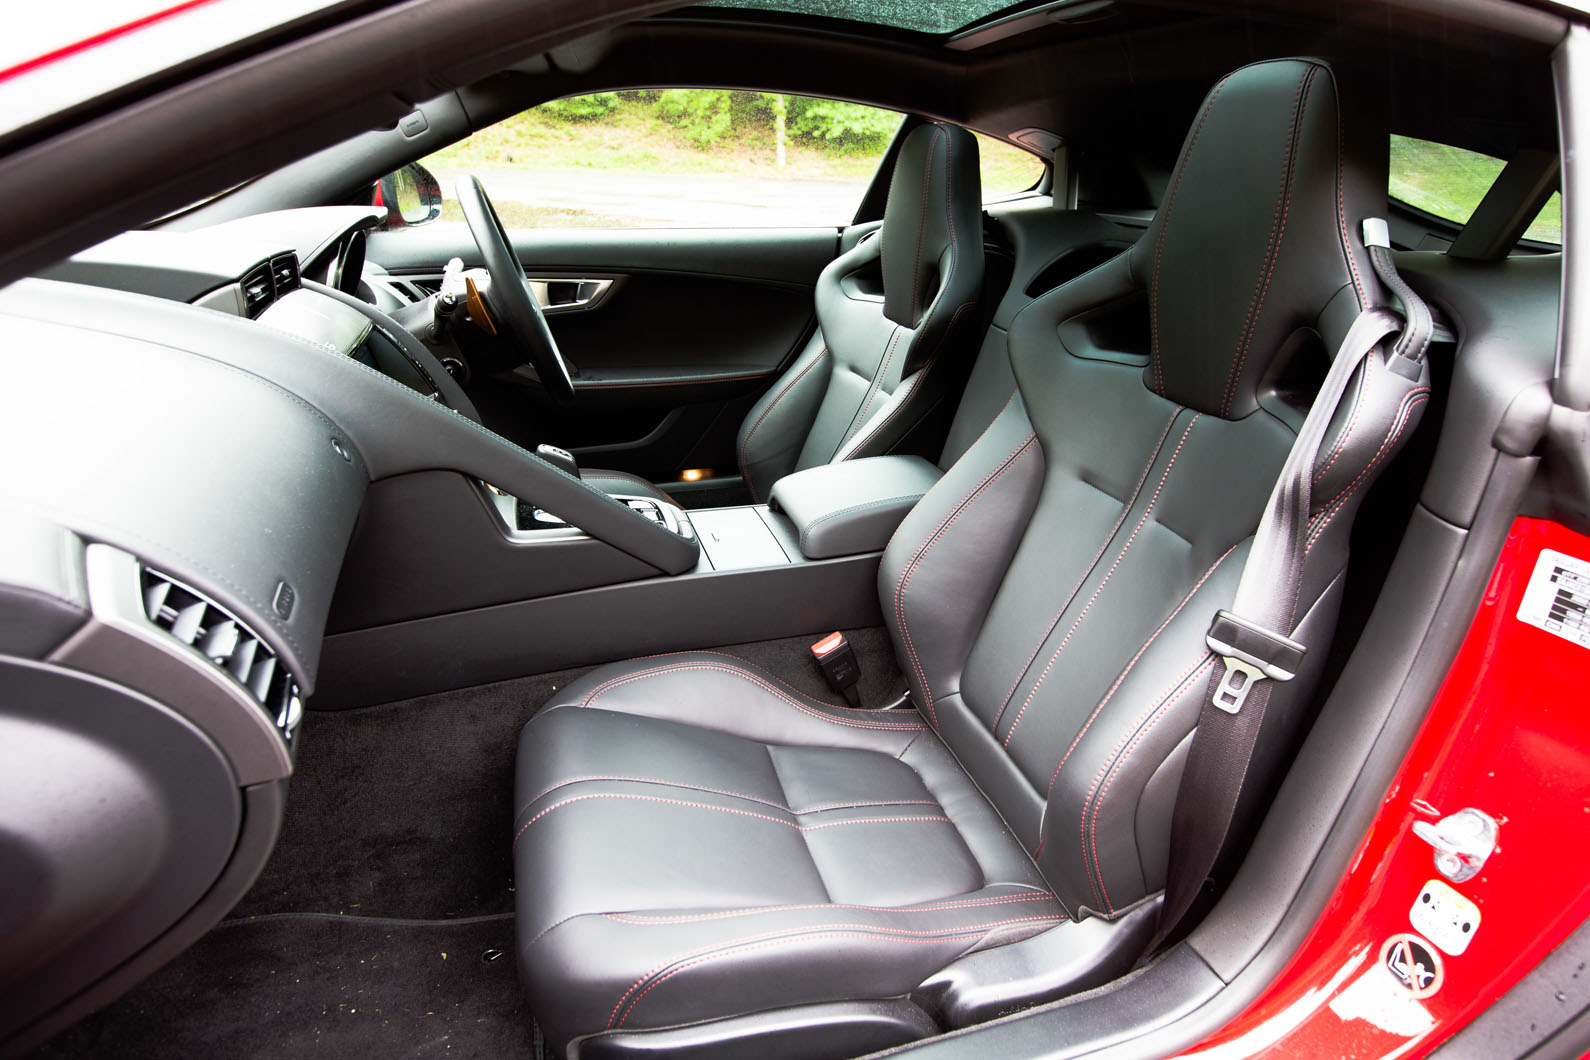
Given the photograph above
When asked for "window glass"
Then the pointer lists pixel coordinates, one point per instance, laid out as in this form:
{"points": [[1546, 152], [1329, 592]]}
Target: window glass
{"points": [[1450, 182], [923, 16], [1006, 169], [1547, 226], [674, 158]]}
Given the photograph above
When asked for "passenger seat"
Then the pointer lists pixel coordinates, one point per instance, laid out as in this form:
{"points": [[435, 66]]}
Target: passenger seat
{"points": [[897, 320], [709, 862]]}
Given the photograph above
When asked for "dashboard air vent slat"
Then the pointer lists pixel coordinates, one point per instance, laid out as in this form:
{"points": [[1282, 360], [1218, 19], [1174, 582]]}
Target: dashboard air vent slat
{"points": [[235, 649], [284, 273], [221, 641], [263, 674], [259, 289], [242, 660]]}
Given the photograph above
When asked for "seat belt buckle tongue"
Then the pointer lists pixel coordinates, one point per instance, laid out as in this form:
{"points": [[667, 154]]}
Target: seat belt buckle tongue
{"points": [[1251, 654], [837, 660]]}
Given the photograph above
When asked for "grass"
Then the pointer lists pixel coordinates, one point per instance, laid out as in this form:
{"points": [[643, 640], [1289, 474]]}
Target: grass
{"points": [[1450, 182]]}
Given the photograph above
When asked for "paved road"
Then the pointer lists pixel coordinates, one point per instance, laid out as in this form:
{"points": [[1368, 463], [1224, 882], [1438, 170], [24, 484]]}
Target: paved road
{"points": [[673, 200]]}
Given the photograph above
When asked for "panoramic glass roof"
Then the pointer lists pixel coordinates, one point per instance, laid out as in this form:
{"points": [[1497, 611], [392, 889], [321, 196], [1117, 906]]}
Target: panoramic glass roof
{"points": [[924, 16]]}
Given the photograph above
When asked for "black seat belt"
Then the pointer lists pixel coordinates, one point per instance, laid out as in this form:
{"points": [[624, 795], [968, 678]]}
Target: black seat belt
{"points": [[1252, 653]]}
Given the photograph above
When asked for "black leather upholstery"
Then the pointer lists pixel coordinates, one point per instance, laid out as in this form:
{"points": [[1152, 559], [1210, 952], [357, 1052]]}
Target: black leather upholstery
{"points": [[704, 838], [878, 365], [1047, 599], [853, 507], [896, 318]]}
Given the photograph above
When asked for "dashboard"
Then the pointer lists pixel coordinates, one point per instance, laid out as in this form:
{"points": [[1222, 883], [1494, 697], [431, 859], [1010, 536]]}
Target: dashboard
{"points": [[193, 424]]}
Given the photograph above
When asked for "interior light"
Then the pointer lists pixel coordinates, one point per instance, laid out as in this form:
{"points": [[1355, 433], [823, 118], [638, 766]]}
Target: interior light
{"points": [[696, 474]]}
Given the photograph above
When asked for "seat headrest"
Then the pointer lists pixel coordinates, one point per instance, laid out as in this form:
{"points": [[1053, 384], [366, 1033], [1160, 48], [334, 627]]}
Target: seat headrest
{"points": [[1258, 231], [932, 218]]}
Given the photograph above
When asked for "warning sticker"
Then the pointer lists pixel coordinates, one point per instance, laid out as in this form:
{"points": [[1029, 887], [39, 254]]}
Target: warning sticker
{"points": [[1558, 597], [1413, 963], [1445, 917]]}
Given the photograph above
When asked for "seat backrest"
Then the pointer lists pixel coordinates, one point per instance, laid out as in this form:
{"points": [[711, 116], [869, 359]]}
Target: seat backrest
{"points": [[895, 314], [1049, 597]]}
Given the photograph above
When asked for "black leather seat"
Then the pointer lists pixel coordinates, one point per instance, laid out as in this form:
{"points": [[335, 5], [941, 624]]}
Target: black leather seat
{"points": [[703, 854], [897, 325]]}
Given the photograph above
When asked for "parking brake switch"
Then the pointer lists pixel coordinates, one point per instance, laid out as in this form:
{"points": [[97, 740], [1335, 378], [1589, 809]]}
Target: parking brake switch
{"points": [[837, 660]]}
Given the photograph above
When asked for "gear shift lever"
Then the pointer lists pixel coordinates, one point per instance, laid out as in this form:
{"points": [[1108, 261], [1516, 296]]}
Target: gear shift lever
{"points": [[561, 459]]}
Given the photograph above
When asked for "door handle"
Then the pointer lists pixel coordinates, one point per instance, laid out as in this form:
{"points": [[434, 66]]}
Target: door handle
{"points": [[558, 294]]}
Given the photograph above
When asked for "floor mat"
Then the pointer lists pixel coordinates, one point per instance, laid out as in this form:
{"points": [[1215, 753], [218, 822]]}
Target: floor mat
{"points": [[404, 809], [309, 985]]}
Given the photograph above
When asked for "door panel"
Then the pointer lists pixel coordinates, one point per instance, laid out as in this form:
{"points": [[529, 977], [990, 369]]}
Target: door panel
{"points": [[694, 327]]}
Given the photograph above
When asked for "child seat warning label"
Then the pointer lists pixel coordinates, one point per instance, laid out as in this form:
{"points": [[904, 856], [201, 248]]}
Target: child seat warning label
{"points": [[1558, 597]]}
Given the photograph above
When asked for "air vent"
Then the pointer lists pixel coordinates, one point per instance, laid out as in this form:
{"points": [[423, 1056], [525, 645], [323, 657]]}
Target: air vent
{"points": [[284, 271], [259, 289], [229, 644]]}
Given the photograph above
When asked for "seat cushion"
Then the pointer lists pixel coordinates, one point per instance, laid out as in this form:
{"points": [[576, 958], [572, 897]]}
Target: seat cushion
{"points": [[697, 840]]}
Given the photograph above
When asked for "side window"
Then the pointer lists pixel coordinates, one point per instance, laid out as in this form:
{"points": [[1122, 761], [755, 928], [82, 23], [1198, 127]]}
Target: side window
{"points": [[674, 158], [1007, 170], [1449, 182]]}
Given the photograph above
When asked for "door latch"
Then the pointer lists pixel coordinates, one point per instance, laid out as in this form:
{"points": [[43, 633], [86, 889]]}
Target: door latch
{"points": [[1462, 842]]}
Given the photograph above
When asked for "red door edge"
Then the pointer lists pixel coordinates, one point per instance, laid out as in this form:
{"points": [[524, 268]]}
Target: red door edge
{"points": [[1507, 734]]}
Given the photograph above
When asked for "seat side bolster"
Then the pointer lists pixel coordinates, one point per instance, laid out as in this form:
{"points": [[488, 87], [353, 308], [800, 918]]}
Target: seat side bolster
{"points": [[970, 524], [773, 432]]}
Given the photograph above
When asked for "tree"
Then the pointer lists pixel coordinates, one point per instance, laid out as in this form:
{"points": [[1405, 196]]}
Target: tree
{"points": [[701, 114], [848, 125], [780, 112]]}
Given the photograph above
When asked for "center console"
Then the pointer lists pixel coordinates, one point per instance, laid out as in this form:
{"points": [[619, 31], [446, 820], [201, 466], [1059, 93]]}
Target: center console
{"points": [[450, 582]]}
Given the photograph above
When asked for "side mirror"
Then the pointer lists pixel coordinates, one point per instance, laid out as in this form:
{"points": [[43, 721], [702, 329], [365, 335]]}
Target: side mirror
{"points": [[411, 196]]}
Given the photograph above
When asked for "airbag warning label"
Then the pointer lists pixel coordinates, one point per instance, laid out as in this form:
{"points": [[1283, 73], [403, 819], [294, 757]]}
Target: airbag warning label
{"points": [[1558, 597]]}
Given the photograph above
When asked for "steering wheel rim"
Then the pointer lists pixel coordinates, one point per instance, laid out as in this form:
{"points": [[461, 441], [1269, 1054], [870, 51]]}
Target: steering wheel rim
{"points": [[510, 294]]}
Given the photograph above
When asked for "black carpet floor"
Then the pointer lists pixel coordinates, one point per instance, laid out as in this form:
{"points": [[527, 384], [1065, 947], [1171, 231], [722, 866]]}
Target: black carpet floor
{"points": [[306, 985], [394, 851]]}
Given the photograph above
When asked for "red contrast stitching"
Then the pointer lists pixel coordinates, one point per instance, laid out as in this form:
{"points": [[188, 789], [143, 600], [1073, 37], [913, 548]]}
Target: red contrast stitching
{"points": [[1199, 584], [873, 389], [932, 360], [734, 914], [785, 685], [943, 527], [1144, 725], [721, 791], [921, 225], [1159, 247], [1094, 598], [1413, 399], [1126, 509], [745, 444], [632, 797], [1272, 247], [1370, 364], [745, 676], [870, 932], [1341, 202]]}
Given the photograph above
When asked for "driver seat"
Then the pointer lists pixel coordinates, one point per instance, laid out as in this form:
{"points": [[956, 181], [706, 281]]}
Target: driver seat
{"points": [[709, 862], [897, 325]]}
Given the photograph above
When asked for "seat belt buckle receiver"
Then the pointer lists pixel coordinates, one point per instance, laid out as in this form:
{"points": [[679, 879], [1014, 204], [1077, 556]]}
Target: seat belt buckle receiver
{"points": [[840, 668], [1251, 654]]}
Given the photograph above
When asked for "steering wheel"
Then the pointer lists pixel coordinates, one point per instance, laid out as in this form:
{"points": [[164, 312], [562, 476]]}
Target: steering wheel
{"points": [[511, 298]]}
